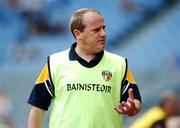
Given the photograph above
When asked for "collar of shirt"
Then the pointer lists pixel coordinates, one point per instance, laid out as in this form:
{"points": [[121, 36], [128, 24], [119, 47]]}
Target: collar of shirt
{"points": [[74, 56]]}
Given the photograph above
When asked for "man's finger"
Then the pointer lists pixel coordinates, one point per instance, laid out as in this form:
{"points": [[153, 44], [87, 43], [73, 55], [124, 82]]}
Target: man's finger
{"points": [[131, 95], [126, 105], [120, 106], [118, 110]]}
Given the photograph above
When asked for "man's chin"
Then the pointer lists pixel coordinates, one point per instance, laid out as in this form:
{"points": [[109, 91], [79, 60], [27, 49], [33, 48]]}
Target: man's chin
{"points": [[100, 49], [102, 45]]}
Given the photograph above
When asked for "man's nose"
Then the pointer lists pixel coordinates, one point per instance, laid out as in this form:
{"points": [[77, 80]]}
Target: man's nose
{"points": [[103, 32]]}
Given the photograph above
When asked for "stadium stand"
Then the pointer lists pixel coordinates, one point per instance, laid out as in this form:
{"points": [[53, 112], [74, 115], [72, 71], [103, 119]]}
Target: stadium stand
{"points": [[154, 46]]}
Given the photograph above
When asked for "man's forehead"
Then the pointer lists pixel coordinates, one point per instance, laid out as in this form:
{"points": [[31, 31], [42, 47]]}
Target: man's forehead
{"points": [[89, 16], [92, 18]]}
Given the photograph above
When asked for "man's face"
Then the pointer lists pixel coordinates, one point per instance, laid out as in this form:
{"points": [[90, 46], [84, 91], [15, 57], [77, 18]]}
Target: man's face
{"points": [[93, 36]]}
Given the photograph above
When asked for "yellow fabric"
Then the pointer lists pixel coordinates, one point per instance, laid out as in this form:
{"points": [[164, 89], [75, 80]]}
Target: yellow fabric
{"points": [[130, 77], [44, 75], [149, 118]]}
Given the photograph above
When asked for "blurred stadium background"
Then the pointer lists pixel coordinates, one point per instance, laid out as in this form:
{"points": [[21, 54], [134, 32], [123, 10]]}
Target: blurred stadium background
{"points": [[147, 32]]}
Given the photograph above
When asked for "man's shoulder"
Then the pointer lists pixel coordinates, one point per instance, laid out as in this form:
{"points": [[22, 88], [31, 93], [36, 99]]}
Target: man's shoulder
{"points": [[114, 55], [61, 53], [59, 57]]}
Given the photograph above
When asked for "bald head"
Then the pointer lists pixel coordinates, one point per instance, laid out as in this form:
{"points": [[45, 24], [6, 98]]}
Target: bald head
{"points": [[76, 21]]}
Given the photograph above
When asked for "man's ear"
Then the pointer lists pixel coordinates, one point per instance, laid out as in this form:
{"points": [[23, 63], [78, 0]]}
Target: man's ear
{"points": [[77, 33]]}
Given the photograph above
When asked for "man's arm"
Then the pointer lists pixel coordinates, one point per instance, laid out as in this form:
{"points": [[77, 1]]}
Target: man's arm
{"points": [[130, 103], [36, 116], [137, 106], [40, 99], [131, 107]]}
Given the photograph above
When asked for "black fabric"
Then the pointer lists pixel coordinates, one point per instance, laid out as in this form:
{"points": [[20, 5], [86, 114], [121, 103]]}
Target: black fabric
{"points": [[74, 56], [40, 97], [159, 124], [50, 83], [124, 96], [50, 87]]}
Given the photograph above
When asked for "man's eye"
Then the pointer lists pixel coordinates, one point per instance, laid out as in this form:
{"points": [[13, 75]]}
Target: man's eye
{"points": [[104, 28], [96, 30]]}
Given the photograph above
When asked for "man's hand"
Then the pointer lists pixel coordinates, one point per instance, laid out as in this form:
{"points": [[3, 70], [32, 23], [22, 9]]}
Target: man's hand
{"points": [[128, 107]]}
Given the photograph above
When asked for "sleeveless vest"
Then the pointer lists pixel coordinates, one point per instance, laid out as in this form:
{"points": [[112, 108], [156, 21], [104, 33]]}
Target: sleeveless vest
{"points": [[86, 97]]}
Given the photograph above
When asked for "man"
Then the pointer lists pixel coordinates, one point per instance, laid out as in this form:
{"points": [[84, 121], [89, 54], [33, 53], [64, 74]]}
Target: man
{"points": [[89, 87]]}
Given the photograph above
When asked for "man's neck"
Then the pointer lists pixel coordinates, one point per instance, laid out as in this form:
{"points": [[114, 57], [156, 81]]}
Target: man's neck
{"points": [[84, 55]]}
